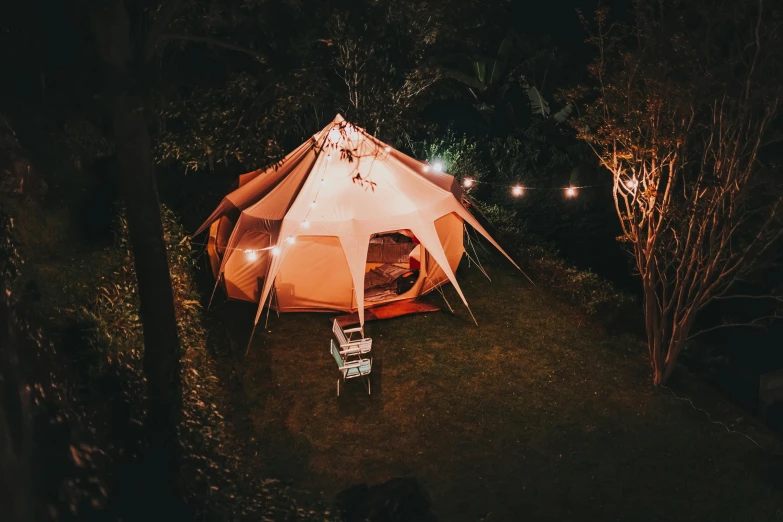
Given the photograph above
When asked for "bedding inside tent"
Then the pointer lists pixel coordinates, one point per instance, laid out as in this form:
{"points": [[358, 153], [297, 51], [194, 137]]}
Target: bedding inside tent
{"points": [[391, 256]]}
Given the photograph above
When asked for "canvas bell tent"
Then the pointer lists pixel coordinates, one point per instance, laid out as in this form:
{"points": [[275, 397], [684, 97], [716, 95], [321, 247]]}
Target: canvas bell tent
{"points": [[342, 223]]}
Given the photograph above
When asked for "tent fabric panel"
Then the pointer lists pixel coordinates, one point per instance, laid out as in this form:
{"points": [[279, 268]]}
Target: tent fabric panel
{"points": [[450, 233], [426, 233], [315, 275], [242, 271], [355, 247], [270, 170], [212, 253], [275, 205], [261, 184], [246, 224]]}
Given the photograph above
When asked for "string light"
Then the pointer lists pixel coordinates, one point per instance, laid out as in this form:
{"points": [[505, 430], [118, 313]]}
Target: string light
{"points": [[251, 255], [387, 149], [312, 205], [438, 166], [275, 251], [631, 184], [517, 191], [305, 224], [467, 182], [570, 192], [291, 240], [426, 168]]}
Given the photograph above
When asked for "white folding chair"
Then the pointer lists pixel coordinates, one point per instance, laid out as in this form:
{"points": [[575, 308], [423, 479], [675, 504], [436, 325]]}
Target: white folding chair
{"points": [[348, 346], [352, 369]]}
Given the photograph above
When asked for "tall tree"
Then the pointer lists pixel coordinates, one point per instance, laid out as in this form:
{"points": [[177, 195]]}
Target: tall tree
{"points": [[683, 103], [119, 51]]}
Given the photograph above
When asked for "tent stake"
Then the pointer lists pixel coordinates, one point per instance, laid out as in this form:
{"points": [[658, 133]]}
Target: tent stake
{"points": [[268, 308], [250, 341]]}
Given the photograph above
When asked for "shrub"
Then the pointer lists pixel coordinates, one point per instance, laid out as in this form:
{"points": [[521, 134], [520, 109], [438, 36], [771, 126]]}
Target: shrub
{"points": [[220, 480], [532, 160]]}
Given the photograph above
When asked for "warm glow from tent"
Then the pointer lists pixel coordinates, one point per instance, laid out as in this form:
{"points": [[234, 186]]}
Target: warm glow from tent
{"points": [[517, 191], [438, 166], [251, 255], [467, 182], [570, 192], [334, 136]]}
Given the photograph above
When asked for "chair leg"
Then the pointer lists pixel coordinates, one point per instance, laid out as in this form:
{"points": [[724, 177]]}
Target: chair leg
{"points": [[338, 387], [368, 386]]}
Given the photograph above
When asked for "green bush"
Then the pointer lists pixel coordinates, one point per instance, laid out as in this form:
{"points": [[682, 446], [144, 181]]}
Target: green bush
{"points": [[530, 159], [220, 481], [585, 289]]}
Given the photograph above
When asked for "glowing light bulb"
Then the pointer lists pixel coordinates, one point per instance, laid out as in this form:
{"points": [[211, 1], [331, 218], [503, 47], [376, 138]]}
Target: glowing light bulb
{"points": [[305, 224], [275, 251], [323, 180], [312, 205], [290, 240], [570, 192], [517, 191], [387, 149], [631, 184], [426, 168], [467, 182], [329, 157], [438, 166], [252, 255]]}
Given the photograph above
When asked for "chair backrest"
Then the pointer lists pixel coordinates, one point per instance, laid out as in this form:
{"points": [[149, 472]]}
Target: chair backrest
{"points": [[365, 345], [365, 367], [338, 332], [336, 354]]}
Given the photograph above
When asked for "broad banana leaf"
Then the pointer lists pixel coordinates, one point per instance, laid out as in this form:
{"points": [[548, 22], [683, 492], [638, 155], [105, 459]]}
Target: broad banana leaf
{"points": [[501, 61], [563, 114], [463, 78], [537, 102]]}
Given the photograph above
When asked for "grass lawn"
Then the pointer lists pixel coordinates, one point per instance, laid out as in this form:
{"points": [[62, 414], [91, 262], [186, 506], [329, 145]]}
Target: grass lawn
{"points": [[537, 414]]}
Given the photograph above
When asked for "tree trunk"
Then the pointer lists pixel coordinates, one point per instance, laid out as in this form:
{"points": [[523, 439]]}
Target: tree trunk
{"points": [[17, 496], [135, 176], [156, 299]]}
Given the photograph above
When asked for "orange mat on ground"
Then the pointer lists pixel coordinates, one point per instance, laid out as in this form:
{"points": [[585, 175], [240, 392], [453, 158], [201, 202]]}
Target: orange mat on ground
{"points": [[396, 309]]}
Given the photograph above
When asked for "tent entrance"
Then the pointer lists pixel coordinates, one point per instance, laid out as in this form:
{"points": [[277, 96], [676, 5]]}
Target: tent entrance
{"points": [[393, 266]]}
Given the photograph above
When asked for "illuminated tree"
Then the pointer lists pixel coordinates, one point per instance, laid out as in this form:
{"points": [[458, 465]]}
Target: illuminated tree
{"points": [[682, 104]]}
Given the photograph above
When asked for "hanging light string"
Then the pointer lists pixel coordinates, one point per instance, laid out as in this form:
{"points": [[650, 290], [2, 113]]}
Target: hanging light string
{"points": [[519, 189], [330, 141]]}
